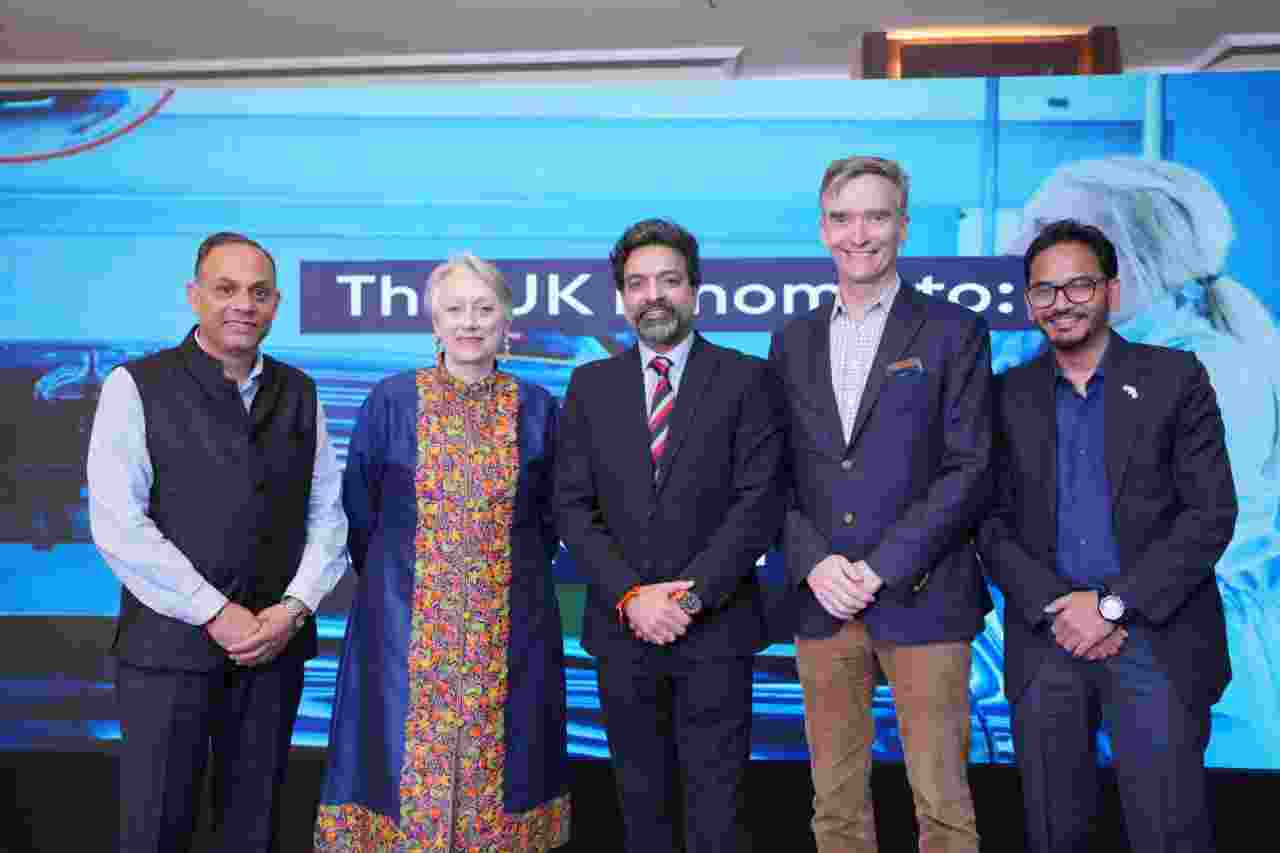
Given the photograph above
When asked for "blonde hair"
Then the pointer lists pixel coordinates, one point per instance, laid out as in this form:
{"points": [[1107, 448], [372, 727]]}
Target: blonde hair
{"points": [[474, 265]]}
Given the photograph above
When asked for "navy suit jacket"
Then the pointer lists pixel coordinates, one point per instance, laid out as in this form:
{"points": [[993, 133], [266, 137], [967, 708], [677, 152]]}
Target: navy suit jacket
{"points": [[715, 507], [907, 491], [1173, 510]]}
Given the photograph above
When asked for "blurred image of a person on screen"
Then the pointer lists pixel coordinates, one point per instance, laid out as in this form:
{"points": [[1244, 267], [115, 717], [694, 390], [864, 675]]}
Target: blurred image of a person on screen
{"points": [[1172, 231]]}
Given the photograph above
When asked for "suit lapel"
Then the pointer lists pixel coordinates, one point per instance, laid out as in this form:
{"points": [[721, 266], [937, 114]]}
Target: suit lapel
{"points": [[694, 385], [1042, 415], [633, 414], [820, 378], [1122, 399], [900, 328]]}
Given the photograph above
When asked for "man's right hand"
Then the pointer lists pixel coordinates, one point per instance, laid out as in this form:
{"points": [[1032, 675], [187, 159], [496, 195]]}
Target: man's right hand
{"points": [[232, 624], [654, 617], [837, 584]]}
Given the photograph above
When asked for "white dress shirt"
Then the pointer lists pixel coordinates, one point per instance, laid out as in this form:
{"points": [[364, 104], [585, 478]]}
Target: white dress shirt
{"points": [[855, 337], [679, 356], [148, 564]]}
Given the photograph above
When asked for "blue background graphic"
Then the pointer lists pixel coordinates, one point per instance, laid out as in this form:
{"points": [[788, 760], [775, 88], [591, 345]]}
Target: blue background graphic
{"points": [[96, 246]]}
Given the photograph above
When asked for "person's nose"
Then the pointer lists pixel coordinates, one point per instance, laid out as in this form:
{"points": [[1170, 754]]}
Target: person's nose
{"points": [[243, 301]]}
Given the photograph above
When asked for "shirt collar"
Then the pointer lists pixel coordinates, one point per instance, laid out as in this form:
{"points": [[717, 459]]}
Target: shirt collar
{"points": [[678, 355], [884, 299], [254, 375], [1098, 371]]}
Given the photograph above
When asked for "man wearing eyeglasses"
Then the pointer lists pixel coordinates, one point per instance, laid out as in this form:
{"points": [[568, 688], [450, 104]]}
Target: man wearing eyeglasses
{"points": [[214, 498], [1115, 500]]}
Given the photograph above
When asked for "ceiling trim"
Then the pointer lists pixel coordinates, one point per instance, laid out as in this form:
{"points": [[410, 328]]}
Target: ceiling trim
{"points": [[727, 60], [1229, 43]]}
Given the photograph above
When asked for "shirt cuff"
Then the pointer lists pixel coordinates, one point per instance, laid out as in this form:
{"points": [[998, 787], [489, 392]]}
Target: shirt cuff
{"points": [[206, 602], [297, 593]]}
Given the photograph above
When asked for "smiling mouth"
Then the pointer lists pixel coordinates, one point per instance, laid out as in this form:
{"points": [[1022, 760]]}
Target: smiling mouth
{"points": [[1065, 320]]}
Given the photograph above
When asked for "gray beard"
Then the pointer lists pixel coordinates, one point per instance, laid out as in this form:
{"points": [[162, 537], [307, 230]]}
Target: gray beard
{"points": [[661, 332]]}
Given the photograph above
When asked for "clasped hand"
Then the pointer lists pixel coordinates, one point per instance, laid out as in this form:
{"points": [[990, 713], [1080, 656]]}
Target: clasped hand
{"points": [[252, 639], [654, 617], [1080, 630], [844, 589]]}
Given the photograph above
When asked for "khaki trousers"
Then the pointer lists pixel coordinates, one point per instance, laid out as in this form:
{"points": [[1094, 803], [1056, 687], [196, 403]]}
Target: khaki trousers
{"points": [[931, 695]]}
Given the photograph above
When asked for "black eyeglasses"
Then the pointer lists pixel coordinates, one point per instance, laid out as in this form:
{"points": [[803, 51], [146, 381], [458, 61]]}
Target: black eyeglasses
{"points": [[1077, 290]]}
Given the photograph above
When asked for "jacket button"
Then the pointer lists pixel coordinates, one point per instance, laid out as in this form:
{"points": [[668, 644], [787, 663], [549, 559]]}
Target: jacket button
{"points": [[846, 464], [848, 518]]}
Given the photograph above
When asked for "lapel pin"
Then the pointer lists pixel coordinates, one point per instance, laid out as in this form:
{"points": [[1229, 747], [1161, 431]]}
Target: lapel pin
{"points": [[1131, 391]]}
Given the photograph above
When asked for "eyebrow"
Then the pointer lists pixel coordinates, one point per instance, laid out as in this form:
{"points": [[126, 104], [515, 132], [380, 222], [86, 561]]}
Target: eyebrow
{"points": [[665, 271], [848, 210], [222, 279], [1069, 278]]}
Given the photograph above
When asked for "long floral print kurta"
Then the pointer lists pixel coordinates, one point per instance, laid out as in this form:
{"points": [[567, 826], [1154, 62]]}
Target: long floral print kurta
{"points": [[448, 730]]}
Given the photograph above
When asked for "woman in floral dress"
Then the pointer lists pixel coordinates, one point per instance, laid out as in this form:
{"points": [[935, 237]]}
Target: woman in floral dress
{"points": [[448, 729]]}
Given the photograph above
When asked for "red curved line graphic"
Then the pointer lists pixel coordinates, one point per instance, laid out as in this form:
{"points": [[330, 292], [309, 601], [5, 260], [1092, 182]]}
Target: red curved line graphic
{"points": [[85, 146]]}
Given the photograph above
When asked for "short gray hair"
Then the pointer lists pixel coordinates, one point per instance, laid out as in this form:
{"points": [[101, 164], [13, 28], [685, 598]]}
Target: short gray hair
{"points": [[841, 172]]}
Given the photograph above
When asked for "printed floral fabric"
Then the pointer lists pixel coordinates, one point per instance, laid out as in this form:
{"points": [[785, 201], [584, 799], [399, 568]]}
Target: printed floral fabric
{"points": [[451, 784]]}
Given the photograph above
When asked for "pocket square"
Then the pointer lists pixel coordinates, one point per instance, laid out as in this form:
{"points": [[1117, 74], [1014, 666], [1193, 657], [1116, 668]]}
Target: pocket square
{"points": [[906, 366]]}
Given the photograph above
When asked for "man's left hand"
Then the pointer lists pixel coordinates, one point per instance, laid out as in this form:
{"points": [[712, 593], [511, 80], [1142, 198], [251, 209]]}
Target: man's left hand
{"points": [[265, 645], [1077, 625], [1110, 645]]}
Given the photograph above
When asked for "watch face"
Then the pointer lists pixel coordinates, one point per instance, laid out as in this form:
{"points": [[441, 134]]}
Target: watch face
{"points": [[689, 602], [1112, 608]]}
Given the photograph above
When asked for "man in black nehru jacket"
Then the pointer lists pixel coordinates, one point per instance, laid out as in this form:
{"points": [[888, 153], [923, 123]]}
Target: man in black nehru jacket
{"points": [[214, 497]]}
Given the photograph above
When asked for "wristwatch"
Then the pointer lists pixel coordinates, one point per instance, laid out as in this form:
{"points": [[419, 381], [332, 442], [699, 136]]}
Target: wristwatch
{"points": [[688, 601], [1110, 606], [299, 611]]}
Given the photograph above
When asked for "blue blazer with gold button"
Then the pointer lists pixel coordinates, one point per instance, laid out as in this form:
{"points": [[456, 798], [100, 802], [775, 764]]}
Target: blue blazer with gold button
{"points": [[908, 489]]}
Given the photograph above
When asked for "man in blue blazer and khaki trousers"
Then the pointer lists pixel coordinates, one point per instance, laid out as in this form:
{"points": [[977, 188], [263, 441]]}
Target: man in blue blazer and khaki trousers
{"points": [[889, 439], [668, 489]]}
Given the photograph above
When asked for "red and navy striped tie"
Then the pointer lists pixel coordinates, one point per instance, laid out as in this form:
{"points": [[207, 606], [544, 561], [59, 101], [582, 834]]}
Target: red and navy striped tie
{"points": [[659, 409]]}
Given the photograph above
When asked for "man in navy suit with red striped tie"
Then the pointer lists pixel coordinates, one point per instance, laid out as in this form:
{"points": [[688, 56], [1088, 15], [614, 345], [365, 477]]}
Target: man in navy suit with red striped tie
{"points": [[668, 489]]}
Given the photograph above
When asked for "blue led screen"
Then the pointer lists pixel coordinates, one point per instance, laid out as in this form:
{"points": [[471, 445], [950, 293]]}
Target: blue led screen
{"points": [[106, 194]]}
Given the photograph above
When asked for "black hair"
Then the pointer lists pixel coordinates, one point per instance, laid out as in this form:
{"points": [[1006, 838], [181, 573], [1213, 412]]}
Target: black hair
{"points": [[1071, 231], [656, 232]]}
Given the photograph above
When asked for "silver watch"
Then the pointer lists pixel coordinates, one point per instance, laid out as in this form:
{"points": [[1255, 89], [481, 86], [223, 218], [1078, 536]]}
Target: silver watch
{"points": [[688, 601], [1111, 607], [299, 611]]}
